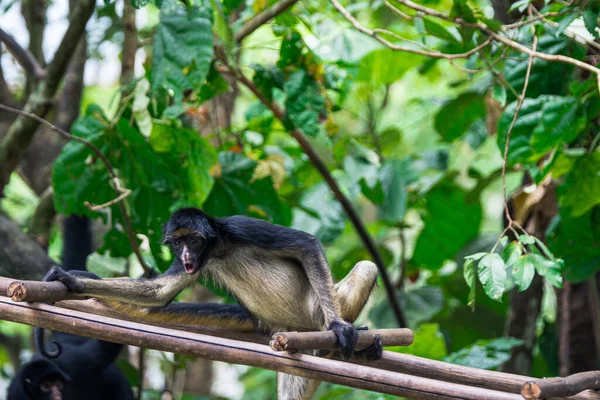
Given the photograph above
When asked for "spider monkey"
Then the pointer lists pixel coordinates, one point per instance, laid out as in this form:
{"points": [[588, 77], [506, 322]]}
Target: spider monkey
{"points": [[279, 276], [83, 368]]}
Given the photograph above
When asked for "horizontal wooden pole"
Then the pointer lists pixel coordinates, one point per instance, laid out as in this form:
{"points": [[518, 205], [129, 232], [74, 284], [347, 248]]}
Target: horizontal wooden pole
{"points": [[390, 361], [238, 352], [36, 291], [560, 387], [409, 364], [327, 340]]}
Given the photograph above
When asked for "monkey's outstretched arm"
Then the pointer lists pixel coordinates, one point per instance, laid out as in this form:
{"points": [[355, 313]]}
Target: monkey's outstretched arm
{"points": [[148, 298], [157, 291]]}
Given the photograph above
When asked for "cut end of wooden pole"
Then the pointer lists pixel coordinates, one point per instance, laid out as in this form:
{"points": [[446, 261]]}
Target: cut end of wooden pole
{"points": [[278, 342], [16, 291], [531, 391]]}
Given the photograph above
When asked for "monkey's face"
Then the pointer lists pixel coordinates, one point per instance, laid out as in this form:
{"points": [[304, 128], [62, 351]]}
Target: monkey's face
{"points": [[188, 250], [50, 386]]}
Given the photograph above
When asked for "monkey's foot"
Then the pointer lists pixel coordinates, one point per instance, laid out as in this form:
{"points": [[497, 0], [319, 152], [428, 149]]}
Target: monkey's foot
{"points": [[373, 352], [347, 335], [59, 274]]}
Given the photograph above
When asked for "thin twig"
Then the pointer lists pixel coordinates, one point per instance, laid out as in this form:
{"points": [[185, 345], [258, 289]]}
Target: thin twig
{"points": [[262, 18], [121, 192], [385, 42], [482, 27], [397, 12], [520, 101], [520, 24], [23, 56]]}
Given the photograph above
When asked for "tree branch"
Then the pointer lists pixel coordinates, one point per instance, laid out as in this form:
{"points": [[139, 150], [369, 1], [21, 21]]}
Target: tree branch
{"points": [[23, 57], [122, 192], [362, 231], [262, 18], [130, 43], [375, 34], [41, 222], [19, 135], [482, 27], [561, 387]]}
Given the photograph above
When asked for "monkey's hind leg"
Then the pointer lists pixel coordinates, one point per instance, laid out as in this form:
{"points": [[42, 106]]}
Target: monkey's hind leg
{"points": [[351, 295]]}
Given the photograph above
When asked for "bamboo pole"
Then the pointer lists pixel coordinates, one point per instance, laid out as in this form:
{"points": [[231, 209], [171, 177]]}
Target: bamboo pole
{"points": [[560, 387], [238, 352], [327, 340]]}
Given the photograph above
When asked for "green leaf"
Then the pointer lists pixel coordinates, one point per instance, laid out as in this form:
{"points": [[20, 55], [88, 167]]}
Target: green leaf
{"points": [[305, 104], [521, 5], [499, 94], [385, 66], [214, 85], [291, 49], [462, 9], [485, 354], [492, 275], [549, 269], [543, 123], [470, 276], [547, 77], [267, 78], [511, 252], [394, 175], [456, 116], [235, 192], [106, 266], [327, 221], [581, 190], [429, 343], [526, 239], [577, 240], [183, 48], [565, 22], [440, 240], [590, 19], [523, 271], [421, 304], [548, 309], [420, 27]]}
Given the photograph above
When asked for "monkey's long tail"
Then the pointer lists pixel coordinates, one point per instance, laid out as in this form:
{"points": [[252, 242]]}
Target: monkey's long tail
{"points": [[38, 335]]}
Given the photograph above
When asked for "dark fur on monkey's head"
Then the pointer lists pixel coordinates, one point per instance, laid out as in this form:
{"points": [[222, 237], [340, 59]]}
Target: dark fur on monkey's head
{"points": [[189, 233]]}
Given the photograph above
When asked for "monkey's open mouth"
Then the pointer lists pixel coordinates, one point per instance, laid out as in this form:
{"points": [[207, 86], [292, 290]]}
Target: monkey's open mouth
{"points": [[189, 268]]}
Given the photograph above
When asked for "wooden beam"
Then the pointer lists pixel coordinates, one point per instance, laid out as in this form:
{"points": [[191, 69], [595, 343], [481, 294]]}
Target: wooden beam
{"points": [[560, 387], [238, 352]]}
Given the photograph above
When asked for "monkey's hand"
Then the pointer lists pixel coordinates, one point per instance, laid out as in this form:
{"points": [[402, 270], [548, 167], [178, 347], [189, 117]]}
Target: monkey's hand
{"points": [[347, 335], [70, 281]]}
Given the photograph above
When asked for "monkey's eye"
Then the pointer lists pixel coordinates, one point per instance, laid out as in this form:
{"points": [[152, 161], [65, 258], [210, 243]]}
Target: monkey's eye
{"points": [[46, 386], [193, 241], [177, 243], [59, 385]]}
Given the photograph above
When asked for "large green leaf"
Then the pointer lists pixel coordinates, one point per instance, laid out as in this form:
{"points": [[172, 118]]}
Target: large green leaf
{"points": [[394, 176], [523, 271], [183, 47], [456, 116], [447, 209], [235, 192], [305, 104], [485, 354], [581, 190], [577, 240], [385, 66], [547, 77], [492, 275], [542, 124], [429, 343]]}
